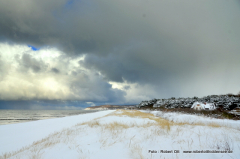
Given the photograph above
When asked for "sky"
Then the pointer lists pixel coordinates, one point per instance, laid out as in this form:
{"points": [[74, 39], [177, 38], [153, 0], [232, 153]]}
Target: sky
{"points": [[70, 54]]}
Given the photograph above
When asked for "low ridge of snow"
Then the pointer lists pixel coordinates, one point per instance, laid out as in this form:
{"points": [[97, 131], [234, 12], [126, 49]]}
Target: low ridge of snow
{"points": [[108, 134], [178, 117], [16, 136]]}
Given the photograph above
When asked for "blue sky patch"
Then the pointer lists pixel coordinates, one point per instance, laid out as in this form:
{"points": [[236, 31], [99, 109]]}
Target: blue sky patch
{"points": [[33, 48]]}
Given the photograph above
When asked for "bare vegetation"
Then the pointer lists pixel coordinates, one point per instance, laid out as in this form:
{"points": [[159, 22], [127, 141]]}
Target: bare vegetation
{"points": [[224, 143], [163, 123], [112, 133]]}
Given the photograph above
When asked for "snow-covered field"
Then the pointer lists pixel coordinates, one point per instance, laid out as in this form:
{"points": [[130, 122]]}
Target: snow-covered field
{"points": [[122, 134]]}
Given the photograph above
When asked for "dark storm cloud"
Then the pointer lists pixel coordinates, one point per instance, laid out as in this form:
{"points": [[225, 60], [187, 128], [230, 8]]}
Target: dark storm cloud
{"points": [[28, 62], [85, 26], [94, 89], [55, 70], [49, 74], [178, 48], [141, 63]]}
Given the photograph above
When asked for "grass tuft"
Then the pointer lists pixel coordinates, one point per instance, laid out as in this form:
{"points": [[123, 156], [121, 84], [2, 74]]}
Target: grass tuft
{"points": [[163, 123], [93, 123], [158, 127]]}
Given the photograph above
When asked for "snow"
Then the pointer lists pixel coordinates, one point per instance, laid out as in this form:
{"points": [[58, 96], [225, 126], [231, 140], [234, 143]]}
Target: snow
{"points": [[194, 119], [16, 136], [122, 134]]}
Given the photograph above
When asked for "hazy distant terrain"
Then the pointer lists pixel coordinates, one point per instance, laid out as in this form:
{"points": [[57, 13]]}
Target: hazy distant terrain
{"points": [[104, 107], [20, 116]]}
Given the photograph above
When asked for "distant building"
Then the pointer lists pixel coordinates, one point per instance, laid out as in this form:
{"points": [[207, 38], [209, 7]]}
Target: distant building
{"points": [[203, 106]]}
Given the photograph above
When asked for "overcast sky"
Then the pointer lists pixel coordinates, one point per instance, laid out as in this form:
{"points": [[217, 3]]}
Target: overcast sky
{"points": [[64, 54]]}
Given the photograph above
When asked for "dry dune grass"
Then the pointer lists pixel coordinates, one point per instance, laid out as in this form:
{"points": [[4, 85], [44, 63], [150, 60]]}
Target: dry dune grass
{"points": [[92, 123], [36, 148], [116, 125], [132, 113], [119, 126], [159, 127], [160, 121], [136, 152], [10, 154], [163, 123], [138, 114]]}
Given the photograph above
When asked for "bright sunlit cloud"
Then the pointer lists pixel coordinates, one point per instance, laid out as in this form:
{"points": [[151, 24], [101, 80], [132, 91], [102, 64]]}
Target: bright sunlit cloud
{"points": [[117, 52]]}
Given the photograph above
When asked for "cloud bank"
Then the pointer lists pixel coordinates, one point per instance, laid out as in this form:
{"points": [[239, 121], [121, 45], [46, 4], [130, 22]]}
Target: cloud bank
{"points": [[118, 51]]}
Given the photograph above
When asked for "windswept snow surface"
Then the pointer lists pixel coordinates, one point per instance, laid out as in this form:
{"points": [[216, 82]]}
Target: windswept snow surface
{"points": [[16, 136], [126, 134], [195, 119]]}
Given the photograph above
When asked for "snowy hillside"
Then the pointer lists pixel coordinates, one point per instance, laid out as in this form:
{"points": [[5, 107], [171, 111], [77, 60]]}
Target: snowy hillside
{"points": [[123, 134]]}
